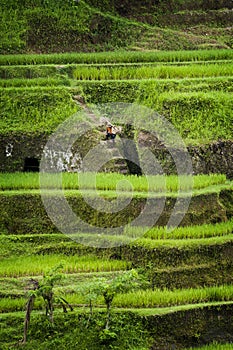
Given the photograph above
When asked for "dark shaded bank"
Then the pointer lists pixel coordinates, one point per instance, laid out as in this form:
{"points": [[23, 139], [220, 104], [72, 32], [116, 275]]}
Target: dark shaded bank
{"points": [[15, 148], [25, 212], [194, 327]]}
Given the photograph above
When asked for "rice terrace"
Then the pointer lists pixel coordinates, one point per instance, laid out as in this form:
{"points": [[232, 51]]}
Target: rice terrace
{"points": [[116, 175]]}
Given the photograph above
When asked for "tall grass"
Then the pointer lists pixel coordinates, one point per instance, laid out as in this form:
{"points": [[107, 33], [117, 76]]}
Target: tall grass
{"points": [[194, 243], [29, 72], [196, 115], [38, 264], [35, 108], [118, 56], [148, 72], [140, 298], [17, 82], [165, 297], [213, 346], [110, 181], [189, 232]]}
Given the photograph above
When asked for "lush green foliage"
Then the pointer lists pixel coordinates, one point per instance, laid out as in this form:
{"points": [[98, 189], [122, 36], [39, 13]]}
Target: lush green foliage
{"points": [[200, 116], [37, 264], [112, 181], [105, 91], [149, 298], [214, 346], [117, 57], [191, 89], [34, 109], [72, 331], [150, 72], [17, 82], [58, 26], [142, 298]]}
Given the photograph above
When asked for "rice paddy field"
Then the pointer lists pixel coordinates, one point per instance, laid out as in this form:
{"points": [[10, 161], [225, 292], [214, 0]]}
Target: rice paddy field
{"points": [[196, 84], [185, 296]]}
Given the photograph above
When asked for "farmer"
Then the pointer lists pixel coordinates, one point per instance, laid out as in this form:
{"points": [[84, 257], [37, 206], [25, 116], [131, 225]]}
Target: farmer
{"points": [[110, 132]]}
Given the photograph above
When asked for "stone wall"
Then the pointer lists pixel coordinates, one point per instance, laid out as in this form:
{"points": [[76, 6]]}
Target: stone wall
{"points": [[216, 157]]}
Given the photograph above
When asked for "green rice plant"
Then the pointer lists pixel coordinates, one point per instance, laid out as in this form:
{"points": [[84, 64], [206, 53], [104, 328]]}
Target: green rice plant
{"points": [[110, 181], [197, 231], [138, 298], [214, 346], [194, 243], [149, 72], [165, 297], [18, 304], [17, 82], [118, 56], [12, 305], [196, 116], [205, 84], [140, 90], [37, 264], [19, 180], [29, 72]]}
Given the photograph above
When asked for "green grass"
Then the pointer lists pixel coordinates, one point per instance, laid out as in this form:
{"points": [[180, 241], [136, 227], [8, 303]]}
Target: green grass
{"points": [[165, 297], [116, 57], [148, 243], [33, 265], [195, 115], [141, 298], [214, 346], [110, 181], [18, 82], [189, 232], [34, 109], [158, 72]]}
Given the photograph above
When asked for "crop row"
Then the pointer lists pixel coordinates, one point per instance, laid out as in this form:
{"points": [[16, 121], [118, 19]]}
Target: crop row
{"points": [[196, 115], [155, 233], [140, 298], [114, 57], [116, 71], [37, 264], [110, 181], [165, 297], [208, 247], [214, 346], [158, 72], [105, 91], [123, 90], [196, 231], [17, 82]]}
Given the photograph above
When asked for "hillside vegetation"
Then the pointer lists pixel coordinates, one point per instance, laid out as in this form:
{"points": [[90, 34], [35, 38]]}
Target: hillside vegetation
{"points": [[150, 286], [92, 25]]}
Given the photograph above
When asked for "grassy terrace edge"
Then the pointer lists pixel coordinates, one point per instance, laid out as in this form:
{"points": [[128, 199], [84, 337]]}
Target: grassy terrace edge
{"points": [[117, 57]]}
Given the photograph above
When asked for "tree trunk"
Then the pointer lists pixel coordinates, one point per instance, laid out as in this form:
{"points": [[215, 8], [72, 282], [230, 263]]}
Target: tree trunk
{"points": [[27, 316], [108, 315]]}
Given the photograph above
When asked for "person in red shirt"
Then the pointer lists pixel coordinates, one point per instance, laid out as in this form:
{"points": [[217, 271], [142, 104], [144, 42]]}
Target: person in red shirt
{"points": [[110, 133]]}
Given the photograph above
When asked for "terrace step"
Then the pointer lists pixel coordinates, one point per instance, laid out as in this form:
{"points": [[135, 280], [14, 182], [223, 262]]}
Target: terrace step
{"points": [[116, 161]]}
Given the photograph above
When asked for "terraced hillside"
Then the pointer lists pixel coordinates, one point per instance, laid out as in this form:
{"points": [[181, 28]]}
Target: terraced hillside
{"points": [[184, 293], [142, 286], [92, 25], [188, 271], [191, 89]]}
